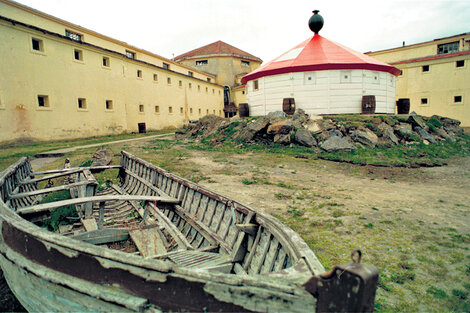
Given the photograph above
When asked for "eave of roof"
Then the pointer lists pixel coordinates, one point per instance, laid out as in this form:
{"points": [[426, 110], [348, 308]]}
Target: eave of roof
{"points": [[434, 57]]}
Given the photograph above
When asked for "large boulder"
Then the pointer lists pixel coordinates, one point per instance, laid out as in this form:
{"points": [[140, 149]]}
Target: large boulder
{"points": [[336, 143], [443, 134], [388, 136], [276, 116], [252, 128], [365, 137], [403, 130], [281, 127], [304, 138], [314, 126], [425, 135], [417, 121]]}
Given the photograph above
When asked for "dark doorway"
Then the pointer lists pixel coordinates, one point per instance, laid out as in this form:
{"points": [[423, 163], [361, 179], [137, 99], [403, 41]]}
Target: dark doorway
{"points": [[142, 129]]}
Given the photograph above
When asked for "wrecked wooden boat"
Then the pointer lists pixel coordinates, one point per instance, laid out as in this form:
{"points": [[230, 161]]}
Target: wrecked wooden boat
{"points": [[156, 242]]}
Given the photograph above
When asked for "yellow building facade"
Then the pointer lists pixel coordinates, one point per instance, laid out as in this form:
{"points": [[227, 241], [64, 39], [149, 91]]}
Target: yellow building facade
{"points": [[60, 80], [227, 63], [435, 76]]}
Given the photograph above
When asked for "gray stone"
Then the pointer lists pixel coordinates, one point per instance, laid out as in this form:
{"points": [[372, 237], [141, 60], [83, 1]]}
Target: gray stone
{"points": [[336, 143], [425, 135], [276, 115], [389, 136], [101, 157], [335, 132], [304, 138], [417, 121], [281, 127], [323, 136], [313, 126], [403, 130], [442, 133], [365, 137], [252, 128], [283, 139]]}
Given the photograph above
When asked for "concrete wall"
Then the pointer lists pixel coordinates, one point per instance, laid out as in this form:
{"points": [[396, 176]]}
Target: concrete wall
{"points": [[323, 92], [159, 98], [440, 85]]}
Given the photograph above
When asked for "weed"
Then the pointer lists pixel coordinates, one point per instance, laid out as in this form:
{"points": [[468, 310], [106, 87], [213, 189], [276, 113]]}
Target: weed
{"points": [[436, 292], [402, 277], [295, 211], [338, 213], [374, 208], [461, 294], [369, 225], [281, 196], [248, 181]]}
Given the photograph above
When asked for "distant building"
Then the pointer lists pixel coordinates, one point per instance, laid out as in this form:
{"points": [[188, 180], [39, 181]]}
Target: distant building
{"points": [[60, 80], [227, 63], [321, 77], [435, 76]]}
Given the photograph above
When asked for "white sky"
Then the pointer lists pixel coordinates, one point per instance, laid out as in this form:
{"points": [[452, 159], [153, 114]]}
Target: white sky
{"points": [[264, 28]]}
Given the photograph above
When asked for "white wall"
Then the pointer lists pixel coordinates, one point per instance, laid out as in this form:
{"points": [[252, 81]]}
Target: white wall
{"points": [[323, 92]]}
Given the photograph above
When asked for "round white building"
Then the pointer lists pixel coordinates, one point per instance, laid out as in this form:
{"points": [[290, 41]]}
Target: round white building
{"points": [[321, 77]]}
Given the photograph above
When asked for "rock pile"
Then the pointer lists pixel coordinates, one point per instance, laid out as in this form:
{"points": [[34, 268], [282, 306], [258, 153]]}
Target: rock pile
{"points": [[329, 133]]}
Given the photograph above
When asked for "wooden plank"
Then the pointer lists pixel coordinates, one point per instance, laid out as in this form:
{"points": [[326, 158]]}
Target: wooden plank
{"points": [[148, 241], [58, 204], [91, 168], [101, 236], [53, 176], [252, 250], [171, 228], [89, 223]]}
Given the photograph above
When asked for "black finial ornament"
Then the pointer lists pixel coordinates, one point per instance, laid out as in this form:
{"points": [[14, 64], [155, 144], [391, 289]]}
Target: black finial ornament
{"points": [[315, 22]]}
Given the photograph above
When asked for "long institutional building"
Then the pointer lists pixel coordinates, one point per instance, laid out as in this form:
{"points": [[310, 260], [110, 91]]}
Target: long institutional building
{"points": [[435, 76], [60, 80]]}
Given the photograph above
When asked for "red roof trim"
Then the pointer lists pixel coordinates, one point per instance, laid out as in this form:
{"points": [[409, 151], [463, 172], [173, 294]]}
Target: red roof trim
{"points": [[435, 57]]}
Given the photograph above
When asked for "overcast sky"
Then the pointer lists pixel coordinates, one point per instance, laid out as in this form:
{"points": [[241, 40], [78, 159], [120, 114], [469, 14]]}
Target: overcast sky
{"points": [[263, 28]]}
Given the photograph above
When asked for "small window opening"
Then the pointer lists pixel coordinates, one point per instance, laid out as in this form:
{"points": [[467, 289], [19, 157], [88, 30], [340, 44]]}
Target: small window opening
{"points": [[141, 108], [424, 101], [73, 36], [245, 63], [190, 110], [106, 62], [170, 109], [190, 86], [130, 54], [207, 90], [190, 74], [43, 101], [109, 105], [78, 54], [201, 62], [460, 63], [181, 110], [37, 44], [157, 109], [457, 99], [198, 87], [139, 73], [82, 103], [168, 80], [208, 79], [166, 66], [180, 83], [255, 84], [425, 68], [155, 77], [200, 111]]}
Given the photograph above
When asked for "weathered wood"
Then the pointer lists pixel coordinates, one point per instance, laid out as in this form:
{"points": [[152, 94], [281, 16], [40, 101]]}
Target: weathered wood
{"points": [[58, 204], [91, 168], [101, 236], [53, 176], [148, 241], [250, 229], [89, 224], [46, 190]]}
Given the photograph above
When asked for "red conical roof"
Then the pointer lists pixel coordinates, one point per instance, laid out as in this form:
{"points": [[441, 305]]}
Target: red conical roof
{"points": [[319, 54]]}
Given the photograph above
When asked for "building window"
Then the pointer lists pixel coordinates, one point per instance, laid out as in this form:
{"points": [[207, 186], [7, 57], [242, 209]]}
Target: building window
{"points": [[245, 63], [207, 111], [424, 101], [139, 73], [207, 90], [170, 110], [460, 63], [82, 104], [37, 44], [198, 87], [425, 68], [199, 111], [155, 77], [130, 54], [243, 92], [180, 83], [166, 66], [78, 54], [457, 99], [141, 108], [448, 47], [208, 79], [201, 62], [401, 73], [181, 110], [109, 105], [213, 91], [73, 36], [168, 80], [190, 86], [213, 112], [190, 74], [157, 109], [255, 85], [43, 101], [106, 62], [191, 111]]}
